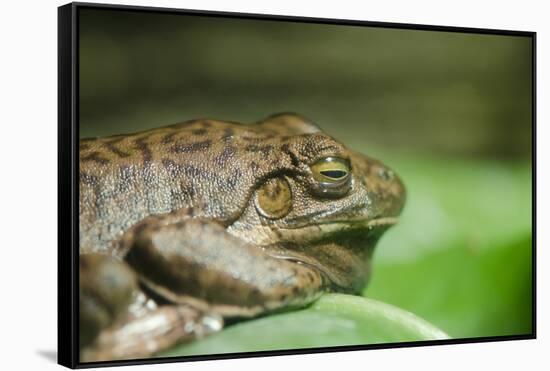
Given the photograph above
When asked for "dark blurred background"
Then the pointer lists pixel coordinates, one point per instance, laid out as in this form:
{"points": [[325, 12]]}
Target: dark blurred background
{"points": [[450, 112], [455, 93]]}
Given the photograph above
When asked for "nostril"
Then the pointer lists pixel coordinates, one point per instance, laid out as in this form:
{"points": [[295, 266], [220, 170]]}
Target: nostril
{"points": [[385, 174]]}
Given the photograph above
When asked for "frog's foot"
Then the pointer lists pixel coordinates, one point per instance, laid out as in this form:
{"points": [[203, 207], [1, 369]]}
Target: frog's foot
{"points": [[150, 333]]}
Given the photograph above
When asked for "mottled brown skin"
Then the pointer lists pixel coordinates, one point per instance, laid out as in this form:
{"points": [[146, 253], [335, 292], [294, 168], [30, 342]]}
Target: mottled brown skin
{"points": [[219, 219]]}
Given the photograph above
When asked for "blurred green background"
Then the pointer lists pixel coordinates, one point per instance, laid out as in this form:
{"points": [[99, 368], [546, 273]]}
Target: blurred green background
{"points": [[450, 112]]}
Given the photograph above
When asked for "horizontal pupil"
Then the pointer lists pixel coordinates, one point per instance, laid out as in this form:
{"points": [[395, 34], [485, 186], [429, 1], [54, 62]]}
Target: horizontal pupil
{"points": [[334, 173]]}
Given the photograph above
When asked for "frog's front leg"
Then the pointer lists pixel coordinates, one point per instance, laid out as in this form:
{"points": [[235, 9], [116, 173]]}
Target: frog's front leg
{"points": [[197, 262]]}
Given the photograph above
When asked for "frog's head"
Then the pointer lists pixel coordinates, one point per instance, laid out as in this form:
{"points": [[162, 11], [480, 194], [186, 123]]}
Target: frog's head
{"points": [[320, 203]]}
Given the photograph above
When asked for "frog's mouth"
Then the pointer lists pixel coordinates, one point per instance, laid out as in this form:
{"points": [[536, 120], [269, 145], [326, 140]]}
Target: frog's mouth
{"points": [[340, 250], [325, 229]]}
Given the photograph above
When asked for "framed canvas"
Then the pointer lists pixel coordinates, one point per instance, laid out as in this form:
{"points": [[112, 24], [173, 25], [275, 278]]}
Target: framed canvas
{"points": [[237, 185]]}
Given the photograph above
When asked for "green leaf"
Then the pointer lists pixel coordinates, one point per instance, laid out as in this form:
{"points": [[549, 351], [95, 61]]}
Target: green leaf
{"points": [[466, 292], [334, 320], [461, 256]]}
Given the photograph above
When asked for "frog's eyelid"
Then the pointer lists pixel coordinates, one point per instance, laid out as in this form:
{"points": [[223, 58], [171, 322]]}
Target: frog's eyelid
{"points": [[331, 158]]}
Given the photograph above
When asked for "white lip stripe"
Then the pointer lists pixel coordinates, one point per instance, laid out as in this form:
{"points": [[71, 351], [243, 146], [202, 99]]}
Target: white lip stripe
{"points": [[264, 235]]}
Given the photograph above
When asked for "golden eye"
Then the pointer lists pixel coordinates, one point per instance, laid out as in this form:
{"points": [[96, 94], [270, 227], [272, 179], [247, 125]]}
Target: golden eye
{"points": [[332, 170]]}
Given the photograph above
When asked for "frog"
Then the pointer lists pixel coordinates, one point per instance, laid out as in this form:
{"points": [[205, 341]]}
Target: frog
{"points": [[189, 227]]}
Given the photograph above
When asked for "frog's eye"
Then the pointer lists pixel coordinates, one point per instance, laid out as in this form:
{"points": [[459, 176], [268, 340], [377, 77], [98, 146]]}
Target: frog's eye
{"points": [[331, 171]]}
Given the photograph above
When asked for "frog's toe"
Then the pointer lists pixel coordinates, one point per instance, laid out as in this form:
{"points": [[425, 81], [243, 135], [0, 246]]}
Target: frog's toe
{"points": [[209, 324], [153, 332]]}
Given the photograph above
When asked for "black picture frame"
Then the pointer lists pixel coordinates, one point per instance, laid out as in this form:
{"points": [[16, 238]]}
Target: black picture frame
{"points": [[68, 167]]}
